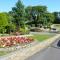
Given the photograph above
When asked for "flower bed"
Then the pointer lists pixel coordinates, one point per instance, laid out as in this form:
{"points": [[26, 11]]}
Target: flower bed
{"points": [[15, 40]]}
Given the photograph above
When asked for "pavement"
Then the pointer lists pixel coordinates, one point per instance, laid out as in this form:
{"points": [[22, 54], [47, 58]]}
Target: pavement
{"points": [[48, 33], [27, 52], [50, 53]]}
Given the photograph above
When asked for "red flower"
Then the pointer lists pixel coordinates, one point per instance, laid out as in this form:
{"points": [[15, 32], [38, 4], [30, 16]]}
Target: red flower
{"points": [[9, 41]]}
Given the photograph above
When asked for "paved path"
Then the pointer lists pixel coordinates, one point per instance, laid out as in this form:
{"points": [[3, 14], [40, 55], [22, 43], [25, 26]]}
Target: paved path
{"points": [[50, 53], [48, 33]]}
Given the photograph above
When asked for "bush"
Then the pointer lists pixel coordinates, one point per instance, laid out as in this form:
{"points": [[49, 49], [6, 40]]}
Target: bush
{"points": [[24, 31], [2, 30], [10, 28]]}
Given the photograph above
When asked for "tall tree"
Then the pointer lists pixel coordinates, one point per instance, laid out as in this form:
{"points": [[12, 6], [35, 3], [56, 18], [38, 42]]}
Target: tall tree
{"points": [[18, 13], [36, 14], [28, 11], [49, 19]]}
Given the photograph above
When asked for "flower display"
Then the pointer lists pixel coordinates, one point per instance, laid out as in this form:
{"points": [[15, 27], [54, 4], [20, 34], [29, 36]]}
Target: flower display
{"points": [[11, 41]]}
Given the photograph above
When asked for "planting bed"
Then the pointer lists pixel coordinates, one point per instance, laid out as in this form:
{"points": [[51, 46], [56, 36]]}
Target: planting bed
{"points": [[13, 41]]}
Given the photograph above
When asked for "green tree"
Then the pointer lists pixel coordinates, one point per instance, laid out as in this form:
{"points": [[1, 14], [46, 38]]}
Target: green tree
{"points": [[49, 19], [57, 17], [28, 11], [35, 14], [18, 13], [3, 22]]}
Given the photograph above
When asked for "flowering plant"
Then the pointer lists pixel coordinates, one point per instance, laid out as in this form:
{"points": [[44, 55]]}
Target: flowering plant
{"points": [[10, 41]]}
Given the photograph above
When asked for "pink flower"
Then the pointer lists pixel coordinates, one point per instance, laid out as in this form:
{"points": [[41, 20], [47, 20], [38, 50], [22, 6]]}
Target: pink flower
{"points": [[9, 41]]}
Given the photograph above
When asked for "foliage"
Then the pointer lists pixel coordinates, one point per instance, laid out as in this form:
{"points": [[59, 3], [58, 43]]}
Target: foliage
{"points": [[35, 14], [10, 28], [20, 16], [57, 17], [24, 30], [3, 22], [18, 13], [48, 20], [3, 19]]}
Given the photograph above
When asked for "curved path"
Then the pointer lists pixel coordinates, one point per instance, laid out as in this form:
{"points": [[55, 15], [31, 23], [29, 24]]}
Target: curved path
{"points": [[50, 53]]}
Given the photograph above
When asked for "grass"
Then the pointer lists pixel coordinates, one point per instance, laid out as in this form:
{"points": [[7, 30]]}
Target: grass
{"points": [[40, 37], [3, 53]]}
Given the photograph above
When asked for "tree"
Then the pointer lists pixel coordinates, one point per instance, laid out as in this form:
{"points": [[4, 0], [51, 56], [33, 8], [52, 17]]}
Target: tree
{"points": [[57, 17], [18, 13], [49, 19], [3, 22], [28, 11], [35, 14]]}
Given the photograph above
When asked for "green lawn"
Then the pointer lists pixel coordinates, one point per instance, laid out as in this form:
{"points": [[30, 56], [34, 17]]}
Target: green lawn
{"points": [[3, 53], [41, 37]]}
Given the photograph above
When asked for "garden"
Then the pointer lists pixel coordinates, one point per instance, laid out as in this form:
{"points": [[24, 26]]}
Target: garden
{"points": [[18, 22], [13, 43], [9, 43]]}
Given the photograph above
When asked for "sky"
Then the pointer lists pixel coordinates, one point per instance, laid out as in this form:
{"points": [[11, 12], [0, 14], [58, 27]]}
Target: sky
{"points": [[52, 5]]}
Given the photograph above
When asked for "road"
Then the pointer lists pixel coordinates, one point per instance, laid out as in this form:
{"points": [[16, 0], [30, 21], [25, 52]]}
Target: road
{"points": [[50, 53]]}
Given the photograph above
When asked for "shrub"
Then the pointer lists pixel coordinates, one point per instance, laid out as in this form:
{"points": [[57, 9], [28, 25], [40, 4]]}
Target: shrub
{"points": [[24, 31]]}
